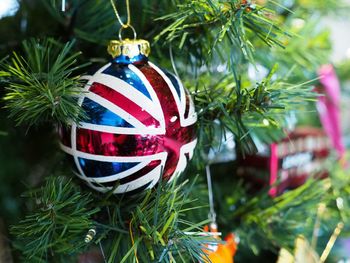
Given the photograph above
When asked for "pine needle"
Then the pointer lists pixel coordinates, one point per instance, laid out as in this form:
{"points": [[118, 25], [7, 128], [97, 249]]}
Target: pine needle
{"points": [[42, 86]]}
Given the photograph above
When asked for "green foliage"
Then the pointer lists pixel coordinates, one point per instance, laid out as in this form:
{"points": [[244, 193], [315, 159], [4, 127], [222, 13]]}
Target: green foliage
{"points": [[343, 69], [323, 7], [154, 227], [309, 49], [41, 86], [340, 189], [92, 21], [206, 31], [59, 222], [201, 22], [281, 219], [151, 227], [304, 53], [248, 109], [266, 223], [158, 226]]}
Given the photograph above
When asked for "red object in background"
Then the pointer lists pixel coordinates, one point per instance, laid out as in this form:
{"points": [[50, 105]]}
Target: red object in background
{"points": [[288, 163], [329, 108], [93, 256]]}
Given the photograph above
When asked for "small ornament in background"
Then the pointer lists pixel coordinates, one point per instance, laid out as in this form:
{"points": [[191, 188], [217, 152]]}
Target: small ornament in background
{"points": [[217, 252], [90, 235], [92, 256], [221, 252]]}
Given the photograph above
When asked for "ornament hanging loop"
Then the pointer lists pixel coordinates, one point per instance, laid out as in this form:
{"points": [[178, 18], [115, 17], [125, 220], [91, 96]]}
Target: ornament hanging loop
{"points": [[125, 27], [128, 22]]}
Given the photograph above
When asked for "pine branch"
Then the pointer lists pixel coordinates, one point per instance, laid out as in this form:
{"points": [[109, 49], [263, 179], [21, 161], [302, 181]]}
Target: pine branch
{"points": [[247, 109], [280, 220], [89, 20], [59, 223], [41, 87], [151, 227], [263, 222], [305, 53], [156, 228], [209, 23]]}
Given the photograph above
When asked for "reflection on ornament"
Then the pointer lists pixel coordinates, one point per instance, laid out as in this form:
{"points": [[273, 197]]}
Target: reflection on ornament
{"points": [[222, 252], [141, 124]]}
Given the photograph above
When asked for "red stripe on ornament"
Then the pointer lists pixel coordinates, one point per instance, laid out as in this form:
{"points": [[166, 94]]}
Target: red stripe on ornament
{"points": [[176, 136], [109, 144], [124, 103]]}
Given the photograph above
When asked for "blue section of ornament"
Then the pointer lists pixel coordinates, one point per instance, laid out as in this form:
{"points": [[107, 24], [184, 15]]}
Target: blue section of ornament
{"points": [[101, 116], [102, 169], [174, 81], [124, 73], [127, 60]]}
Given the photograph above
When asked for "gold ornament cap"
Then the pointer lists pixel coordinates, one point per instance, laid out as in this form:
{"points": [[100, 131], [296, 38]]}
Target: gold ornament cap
{"points": [[129, 48]]}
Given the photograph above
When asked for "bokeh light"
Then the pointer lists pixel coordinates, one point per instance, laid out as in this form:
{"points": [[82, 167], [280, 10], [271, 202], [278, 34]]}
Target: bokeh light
{"points": [[8, 8]]}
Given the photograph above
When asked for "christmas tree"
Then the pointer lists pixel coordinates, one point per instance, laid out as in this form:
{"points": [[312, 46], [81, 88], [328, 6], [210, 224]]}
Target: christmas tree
{"points": [[171, 131]]}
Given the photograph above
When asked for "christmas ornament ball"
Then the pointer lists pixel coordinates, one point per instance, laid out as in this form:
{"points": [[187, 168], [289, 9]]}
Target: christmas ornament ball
{"points": [[140, 126]]}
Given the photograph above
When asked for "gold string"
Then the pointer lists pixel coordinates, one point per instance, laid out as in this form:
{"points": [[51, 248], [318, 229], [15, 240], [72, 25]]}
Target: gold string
{"points": [[132, 241], [128, 22]]}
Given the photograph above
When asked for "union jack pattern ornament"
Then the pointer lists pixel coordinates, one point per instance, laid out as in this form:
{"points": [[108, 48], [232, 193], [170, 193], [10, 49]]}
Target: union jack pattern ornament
{"points": [[141, 124]]}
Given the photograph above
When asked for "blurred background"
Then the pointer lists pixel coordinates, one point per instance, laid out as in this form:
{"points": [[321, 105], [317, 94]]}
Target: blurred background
{"points": [[26, 155]]}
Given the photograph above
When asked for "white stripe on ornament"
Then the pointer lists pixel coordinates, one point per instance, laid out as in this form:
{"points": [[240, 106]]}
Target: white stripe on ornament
{"points": [[153, 177], [181, 105], [74, 126], [123, 174], [116, 177], [182, 163], [117, 110], [151, 91], [172, 88], [122, 130], [130, 92]]}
